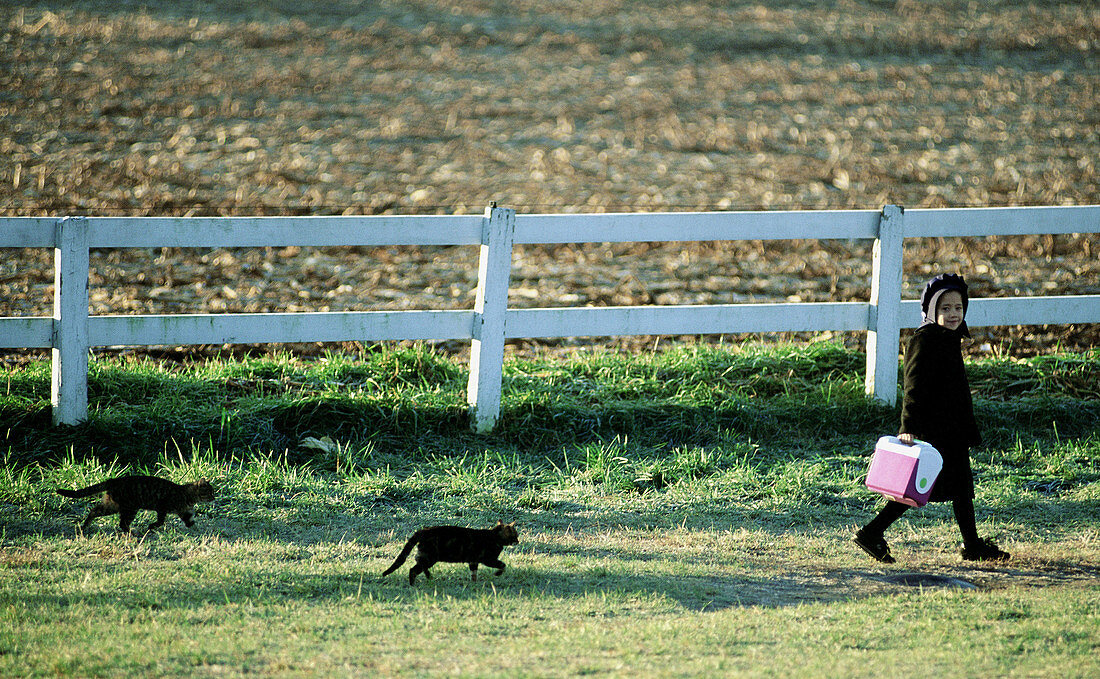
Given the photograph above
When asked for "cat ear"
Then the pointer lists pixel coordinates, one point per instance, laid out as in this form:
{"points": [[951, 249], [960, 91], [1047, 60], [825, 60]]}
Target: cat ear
{"points": [[500, 522]]}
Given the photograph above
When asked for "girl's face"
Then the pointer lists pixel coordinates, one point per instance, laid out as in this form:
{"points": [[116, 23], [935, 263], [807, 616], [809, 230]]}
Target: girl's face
{"points": [[949, 310]]}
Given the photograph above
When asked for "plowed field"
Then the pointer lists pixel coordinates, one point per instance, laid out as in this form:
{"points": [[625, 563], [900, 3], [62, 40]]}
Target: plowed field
{"points": [[219, 107]]}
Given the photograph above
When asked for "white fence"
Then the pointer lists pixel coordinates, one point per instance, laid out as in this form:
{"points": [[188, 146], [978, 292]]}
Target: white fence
{"points": [[72, 331]]}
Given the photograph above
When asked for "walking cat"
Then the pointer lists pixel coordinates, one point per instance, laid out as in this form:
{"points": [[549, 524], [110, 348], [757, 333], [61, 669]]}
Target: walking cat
{"points": [[455, 544], [125, 495]]}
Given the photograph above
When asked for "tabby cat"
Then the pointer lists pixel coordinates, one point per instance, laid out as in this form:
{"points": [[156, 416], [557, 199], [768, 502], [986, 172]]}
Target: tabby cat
{"points": [[125, 495], [455, 544]]}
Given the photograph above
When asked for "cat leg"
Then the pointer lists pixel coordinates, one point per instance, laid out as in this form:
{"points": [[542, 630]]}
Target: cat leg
{"points": [[421, 566], [101, 509], [497, 564], [417, 570], [187, 520], [125, 518], [473, 571], [159, 522]]}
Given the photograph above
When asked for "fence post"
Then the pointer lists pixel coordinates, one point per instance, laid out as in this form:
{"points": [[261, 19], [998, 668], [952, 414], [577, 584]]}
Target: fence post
{"points": [[69, 390], [884, 322], [490, 308]]}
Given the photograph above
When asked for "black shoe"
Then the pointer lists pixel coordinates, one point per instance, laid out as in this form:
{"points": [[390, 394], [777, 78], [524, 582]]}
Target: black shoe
{"points": [[984, 550], [874, 545]]}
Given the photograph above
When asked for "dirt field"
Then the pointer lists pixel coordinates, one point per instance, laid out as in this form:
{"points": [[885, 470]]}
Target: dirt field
{"points": [[217, 107]]}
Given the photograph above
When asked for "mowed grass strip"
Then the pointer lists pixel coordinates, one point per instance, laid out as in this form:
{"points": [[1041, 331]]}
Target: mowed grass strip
{"points": [[681, 513]]}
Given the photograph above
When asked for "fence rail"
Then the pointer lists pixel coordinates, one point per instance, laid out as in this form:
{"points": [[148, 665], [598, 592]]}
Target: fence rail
{"points": [[72, 331]]}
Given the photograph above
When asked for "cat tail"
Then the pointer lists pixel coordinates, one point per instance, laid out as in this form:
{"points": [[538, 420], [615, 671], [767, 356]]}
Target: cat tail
{"points": [[404, 553], [84, 492]]}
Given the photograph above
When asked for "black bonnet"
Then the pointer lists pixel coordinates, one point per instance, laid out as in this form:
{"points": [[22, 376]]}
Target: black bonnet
{"points": [[936, 287], [943, 283]]}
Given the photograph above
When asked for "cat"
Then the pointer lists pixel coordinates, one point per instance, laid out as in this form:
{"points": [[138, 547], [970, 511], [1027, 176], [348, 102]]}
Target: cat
{"points": [[125, 495], [455, 544]]}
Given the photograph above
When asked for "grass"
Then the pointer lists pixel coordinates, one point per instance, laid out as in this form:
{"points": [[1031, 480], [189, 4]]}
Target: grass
{"points": [[682, 513]]}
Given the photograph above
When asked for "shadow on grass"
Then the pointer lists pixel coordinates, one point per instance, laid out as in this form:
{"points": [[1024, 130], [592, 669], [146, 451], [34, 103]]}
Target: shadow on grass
{"points": [[538, 431], [777, 584], [374, 529], [694, 593], [119, 435], [132, 420], [699, 593], [604, 592], [598, 580]]}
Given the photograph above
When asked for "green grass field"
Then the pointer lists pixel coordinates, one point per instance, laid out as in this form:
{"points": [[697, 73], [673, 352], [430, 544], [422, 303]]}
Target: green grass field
{"points": [[681, 513]]}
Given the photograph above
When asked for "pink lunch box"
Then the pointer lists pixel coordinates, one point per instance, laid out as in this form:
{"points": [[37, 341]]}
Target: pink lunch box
{"points": [[904, 473]]}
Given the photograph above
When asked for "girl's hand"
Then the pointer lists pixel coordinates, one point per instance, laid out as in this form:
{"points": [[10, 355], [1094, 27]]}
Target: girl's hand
{"points": [[907, 439]]}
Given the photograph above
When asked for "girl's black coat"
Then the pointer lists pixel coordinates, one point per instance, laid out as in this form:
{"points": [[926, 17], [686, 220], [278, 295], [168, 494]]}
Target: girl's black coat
{"points": [[937, 407]]}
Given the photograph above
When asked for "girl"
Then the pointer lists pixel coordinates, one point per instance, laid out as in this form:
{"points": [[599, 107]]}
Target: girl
{"points": [[937, 408]]}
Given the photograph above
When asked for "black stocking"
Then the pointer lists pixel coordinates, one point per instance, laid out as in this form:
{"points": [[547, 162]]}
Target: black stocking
{"points": [[964, 514], [889, 514]]}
